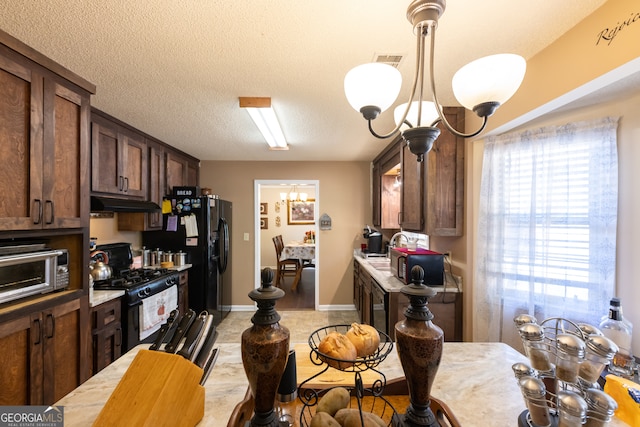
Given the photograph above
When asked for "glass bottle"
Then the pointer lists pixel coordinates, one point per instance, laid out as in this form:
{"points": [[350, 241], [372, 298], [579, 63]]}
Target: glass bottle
{"points": [[523, 319], [570, 352], [619, 330], [572, 409], [534, 392], [600, 408], [535, 346], [599, 353], [522, 370]]}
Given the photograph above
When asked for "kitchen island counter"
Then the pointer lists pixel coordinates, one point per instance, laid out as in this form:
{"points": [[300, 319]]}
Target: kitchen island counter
{"points": [[475, 380]]}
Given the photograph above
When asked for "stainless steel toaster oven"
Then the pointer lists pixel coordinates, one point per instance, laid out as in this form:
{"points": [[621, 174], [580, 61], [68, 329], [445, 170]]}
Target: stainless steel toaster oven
{"points": [[27, 270]]}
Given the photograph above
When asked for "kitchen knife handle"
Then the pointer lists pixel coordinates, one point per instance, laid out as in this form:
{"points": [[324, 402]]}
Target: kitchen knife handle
{"points": [[183, 326], [164, 330], [202, 356], [193, 336], [209, 365]]}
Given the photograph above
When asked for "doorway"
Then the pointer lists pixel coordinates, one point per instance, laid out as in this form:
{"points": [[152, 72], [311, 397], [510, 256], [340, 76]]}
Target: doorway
{"points": [[273, 217]]}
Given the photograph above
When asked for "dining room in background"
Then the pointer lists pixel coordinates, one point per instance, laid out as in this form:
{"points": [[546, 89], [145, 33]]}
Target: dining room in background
{"points": [[295, 220]]}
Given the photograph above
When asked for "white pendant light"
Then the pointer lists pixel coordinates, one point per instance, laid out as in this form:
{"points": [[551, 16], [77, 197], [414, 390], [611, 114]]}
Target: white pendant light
{"points": [[358, 84], [493, 78], [428, 114]]}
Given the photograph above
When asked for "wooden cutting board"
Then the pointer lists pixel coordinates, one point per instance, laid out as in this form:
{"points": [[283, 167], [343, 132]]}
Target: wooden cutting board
{"points": [[305, 369]]}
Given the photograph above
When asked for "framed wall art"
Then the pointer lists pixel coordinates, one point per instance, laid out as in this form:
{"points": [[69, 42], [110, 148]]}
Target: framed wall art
{"points": [[264, 223], [264, 208], [301, 212]]}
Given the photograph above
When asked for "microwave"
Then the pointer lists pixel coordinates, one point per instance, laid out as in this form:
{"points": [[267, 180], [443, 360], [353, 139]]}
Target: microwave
{"points": [[403, 260], [28, 270]]}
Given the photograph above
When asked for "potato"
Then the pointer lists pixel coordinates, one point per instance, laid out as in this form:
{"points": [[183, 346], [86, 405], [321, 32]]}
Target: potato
{"points": [[322, 419], [350, 417], [334, 400]]}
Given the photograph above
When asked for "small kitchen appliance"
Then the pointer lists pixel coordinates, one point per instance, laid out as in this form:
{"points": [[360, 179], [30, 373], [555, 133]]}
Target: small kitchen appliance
{"points": [[374, 238], [403, 260], [32, 269]]}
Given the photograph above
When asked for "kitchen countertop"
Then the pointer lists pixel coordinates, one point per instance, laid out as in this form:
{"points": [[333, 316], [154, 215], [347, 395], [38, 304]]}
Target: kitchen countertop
{"points": [[97, 297], [385, 278], [474, 379]]}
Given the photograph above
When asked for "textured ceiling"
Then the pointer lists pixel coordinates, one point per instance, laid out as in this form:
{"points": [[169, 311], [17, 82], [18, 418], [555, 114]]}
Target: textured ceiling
{"points": [[175, 68]]}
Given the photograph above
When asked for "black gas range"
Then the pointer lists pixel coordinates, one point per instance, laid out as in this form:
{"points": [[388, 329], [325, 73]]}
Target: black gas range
{"points": [[140, 285]]}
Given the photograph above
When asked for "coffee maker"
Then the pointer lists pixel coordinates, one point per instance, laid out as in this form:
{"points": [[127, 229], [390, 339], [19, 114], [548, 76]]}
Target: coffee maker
{"points": [[374, 238]]}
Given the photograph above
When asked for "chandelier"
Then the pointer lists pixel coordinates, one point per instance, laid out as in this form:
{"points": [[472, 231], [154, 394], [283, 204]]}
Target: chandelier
{"points": [[481, 86], [293, 195]]}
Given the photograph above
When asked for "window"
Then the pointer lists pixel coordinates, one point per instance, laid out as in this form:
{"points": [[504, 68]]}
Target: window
{"points": [[547, 227]]}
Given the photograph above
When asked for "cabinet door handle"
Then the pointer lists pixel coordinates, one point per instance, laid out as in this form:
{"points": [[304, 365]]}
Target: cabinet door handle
{"points": [[52, 322], [38, 217], [120, 183], [36, 323], [126, 181], [51, 216], [119, 337]]}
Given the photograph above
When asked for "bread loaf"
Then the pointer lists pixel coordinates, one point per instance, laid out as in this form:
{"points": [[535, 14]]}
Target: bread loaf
{"points": [[365, 338], [337, 346]]}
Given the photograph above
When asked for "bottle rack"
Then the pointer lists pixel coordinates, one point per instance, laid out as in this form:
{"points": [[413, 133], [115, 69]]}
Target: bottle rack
{"points": [[553, 327]]}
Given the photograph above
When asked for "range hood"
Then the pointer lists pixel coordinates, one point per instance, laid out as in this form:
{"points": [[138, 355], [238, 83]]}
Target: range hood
{"points": [[109, 204]]}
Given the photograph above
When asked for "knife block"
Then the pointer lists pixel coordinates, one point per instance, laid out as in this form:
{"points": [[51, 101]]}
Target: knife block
{"points": [[158, 389]]}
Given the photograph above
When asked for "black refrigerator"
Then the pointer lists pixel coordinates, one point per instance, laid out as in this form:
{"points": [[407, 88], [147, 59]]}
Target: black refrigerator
{"points": [[201, 227]]}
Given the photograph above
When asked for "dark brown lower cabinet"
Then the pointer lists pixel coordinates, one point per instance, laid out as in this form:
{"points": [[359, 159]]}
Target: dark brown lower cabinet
{"points": [[44, 354], [106, 331], [446, 309]]}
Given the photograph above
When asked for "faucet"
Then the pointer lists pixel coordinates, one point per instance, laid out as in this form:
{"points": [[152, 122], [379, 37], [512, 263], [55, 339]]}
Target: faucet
{"points": [[392, 241]]}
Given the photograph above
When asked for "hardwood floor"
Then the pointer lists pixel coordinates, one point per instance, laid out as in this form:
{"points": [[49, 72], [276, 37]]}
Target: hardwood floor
{"points": [[304, 296]]}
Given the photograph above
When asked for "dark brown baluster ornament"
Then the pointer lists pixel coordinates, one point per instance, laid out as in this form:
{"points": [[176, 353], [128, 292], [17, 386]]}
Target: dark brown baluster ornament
{"points": [[419, 344], [265, 348]]}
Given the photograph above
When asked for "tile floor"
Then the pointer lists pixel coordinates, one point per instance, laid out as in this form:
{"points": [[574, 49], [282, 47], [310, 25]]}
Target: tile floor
{"points": [[300, 323]]}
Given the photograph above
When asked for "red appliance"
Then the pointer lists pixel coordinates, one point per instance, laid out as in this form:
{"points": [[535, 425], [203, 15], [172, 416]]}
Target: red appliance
{"points": [[403, 260]]}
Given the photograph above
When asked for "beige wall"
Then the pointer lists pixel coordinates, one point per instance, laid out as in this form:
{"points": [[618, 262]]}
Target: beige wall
{"points": [[343, 194], [105, 230]]}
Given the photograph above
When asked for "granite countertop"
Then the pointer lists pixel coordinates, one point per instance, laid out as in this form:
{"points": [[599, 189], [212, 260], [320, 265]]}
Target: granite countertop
{"points": [[385, 278], [474, 379], [97, 297]]}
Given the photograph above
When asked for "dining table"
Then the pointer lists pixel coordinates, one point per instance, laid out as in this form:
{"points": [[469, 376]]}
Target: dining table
{"points": [[304, 252]]}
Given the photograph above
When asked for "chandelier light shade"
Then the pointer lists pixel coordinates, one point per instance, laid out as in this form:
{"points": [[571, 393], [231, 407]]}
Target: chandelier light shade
{"points": [[372, 85], [493, 78], [265, 119], [293, 195], [428, 114], [481, 86]]}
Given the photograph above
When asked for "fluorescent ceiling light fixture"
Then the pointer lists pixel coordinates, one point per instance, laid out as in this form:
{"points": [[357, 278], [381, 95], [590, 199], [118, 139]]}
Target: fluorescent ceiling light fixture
{"points": [[265, 119]]}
